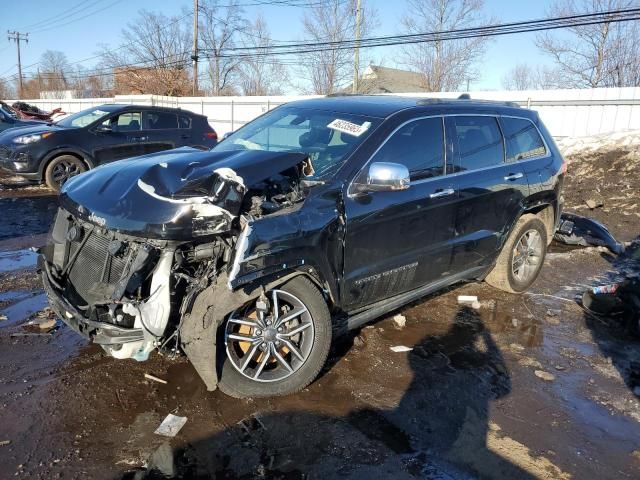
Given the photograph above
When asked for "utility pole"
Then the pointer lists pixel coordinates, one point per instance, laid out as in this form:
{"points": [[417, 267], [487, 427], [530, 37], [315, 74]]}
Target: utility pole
{"points": [[356, 52], [194, 57], [19, 37]]}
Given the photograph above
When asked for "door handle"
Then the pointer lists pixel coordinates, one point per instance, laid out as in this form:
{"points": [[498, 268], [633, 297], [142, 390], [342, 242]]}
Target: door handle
{"points": [[514, 176], [139, 139], [185, 137], [442, 193]]}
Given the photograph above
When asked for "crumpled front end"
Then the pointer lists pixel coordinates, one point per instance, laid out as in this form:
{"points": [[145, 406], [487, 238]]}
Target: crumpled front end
{"points": [[111, 288]]}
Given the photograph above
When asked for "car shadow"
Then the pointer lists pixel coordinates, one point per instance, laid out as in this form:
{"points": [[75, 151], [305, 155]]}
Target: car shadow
{"points": [[618, 336], [439, 428]]}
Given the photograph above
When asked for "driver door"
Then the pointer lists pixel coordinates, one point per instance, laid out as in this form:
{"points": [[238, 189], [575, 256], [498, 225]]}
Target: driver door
{"points": [[397, 241], [123, 138]]}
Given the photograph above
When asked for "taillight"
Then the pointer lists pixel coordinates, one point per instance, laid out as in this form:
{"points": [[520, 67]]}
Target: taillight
{"points": [[563, 168], [212, 135]]}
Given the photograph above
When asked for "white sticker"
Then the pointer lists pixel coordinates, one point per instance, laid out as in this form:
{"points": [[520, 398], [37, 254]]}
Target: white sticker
{"points": [[348, 127]]}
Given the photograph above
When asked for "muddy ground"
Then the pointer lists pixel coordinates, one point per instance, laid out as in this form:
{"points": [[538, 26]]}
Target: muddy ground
{"points": [[525, 387]]}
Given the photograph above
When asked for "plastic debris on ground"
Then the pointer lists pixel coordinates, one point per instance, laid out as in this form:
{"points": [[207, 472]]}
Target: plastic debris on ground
{"points": [[171, 425], [400, 349], [582, 231], [155, 379]]}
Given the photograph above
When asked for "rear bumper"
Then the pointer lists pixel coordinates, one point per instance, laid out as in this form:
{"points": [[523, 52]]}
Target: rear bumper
{"points": [[99, 332]]}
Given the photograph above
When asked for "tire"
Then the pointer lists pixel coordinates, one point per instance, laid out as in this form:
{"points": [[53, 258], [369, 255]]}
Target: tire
{"points": [[517, 277], [273, 379], [61, 169]]}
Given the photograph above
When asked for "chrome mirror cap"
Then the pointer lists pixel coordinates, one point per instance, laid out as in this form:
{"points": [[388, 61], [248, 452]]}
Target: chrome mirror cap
{"points": [[387, 176]]}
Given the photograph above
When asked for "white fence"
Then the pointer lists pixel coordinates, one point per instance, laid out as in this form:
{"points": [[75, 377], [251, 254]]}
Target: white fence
{"points": [[566, 113]]}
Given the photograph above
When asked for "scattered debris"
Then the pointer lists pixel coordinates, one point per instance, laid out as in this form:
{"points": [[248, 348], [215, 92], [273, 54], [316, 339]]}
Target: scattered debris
{"points": [[620, 299], [470, 300], [546, 376], [399, 321], [591, 203], [4, 443], [516, 347], [582, 231], [171, 425], [530, 362], [560, 368], [162, 461], [514, 322], [3, 318], [400, 349], [47, 325], [359, 341], [155, 379]]}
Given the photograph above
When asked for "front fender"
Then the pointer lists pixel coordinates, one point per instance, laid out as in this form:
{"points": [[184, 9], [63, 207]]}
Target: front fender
{"points": [[199, 327]]}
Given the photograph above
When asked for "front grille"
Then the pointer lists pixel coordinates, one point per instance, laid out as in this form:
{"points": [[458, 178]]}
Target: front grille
{"points": [[95, 271]]}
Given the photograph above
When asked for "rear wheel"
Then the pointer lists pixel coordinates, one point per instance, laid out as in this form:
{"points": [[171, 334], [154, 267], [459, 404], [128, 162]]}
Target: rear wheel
{"points": [[522, 256], [276, 345], [61, 169]]}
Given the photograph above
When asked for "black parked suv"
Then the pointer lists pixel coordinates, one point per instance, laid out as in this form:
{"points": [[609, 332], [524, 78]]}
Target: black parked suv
{"points": [[316, 217], [55, 152]]}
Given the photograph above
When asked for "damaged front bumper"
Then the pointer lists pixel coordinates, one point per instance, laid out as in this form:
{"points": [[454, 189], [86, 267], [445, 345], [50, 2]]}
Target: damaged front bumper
{"points": [[100, 333]]}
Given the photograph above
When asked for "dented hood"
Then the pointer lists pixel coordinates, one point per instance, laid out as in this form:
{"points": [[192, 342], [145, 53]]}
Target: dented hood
{"points": [[171, 195]]}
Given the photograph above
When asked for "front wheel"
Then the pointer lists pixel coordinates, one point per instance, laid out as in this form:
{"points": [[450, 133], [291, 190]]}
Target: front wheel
{"points": [[277, 344], [61, 169], [522, 256]]}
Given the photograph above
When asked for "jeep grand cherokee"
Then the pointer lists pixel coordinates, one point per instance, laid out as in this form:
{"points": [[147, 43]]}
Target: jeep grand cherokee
{"points": [[318, 216]]}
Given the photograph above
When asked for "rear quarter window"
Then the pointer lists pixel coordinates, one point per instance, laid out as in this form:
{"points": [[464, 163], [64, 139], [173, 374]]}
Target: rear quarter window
{"points": [[522, 138]]}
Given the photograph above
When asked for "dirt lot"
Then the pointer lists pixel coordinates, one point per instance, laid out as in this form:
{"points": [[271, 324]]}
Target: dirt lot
{"points": [[525, 387]]}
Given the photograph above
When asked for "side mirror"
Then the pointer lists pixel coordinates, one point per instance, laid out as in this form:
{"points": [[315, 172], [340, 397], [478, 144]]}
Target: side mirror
{"points": [[224, 137], [384, 177], [104, 129]]}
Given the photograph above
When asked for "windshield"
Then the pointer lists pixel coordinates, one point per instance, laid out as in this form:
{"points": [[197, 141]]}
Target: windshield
{"points": [[83, 118], [328, 137]]}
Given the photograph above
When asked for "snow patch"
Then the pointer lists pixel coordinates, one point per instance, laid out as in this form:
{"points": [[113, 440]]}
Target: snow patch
{"points": [[606, 141]]}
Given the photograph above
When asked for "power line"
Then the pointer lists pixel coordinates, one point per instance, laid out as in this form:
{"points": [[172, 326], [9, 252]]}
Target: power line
{"points": [[474, 32], [77, 19], [48, 20]]}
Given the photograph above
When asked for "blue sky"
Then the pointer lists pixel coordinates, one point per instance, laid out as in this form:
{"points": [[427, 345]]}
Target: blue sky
{"points": [[79, 38]]}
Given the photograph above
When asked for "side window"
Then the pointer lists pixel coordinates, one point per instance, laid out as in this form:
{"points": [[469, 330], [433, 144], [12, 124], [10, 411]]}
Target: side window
{"points": [[523, 139], [419, 145], [160, 120], [125, 122], [184, 121], [479, 142]]}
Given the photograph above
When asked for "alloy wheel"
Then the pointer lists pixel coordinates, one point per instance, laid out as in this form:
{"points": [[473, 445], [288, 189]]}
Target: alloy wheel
{"points": [[527, 254], [268, 341], [63, 171]]}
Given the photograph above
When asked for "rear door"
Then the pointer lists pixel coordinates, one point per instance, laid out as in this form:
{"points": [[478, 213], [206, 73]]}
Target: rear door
{"points": [[491, 191], [121, 141], [397, 241], [161, 131]]}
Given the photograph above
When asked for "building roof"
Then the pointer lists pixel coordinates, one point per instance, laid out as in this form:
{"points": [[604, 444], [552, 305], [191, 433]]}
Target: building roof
{"points": [[377, 79]]}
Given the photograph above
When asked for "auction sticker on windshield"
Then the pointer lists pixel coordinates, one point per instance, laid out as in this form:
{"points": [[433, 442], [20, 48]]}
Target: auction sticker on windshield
{"points": [[348, 127]]}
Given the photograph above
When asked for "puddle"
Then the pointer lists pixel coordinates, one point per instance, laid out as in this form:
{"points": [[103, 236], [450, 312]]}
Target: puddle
{"points": [[24, 308], [26, 216], [16, 260]]}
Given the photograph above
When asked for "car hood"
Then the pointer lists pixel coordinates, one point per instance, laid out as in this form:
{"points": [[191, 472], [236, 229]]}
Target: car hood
{"points": [[174, 194], [29, 127]]}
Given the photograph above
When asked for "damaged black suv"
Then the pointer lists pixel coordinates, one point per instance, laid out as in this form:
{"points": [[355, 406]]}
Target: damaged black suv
{"points": [[314, 218]]}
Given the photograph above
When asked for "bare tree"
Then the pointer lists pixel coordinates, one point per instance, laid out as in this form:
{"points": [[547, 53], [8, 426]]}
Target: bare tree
{"points": [[263, 74], [219, 30], [448, 64], [329, 70], [601, 55], [5, 89], [154, 56], [54, 69], [520, 77]]}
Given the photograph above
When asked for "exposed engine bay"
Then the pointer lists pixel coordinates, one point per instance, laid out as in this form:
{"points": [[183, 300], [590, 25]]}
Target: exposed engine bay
{"points": [[127, 274]]}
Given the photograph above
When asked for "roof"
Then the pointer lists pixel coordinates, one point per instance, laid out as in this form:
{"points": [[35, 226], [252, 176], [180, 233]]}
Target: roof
{"points": [[382, 106], [125, 106], [377, 79]]}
